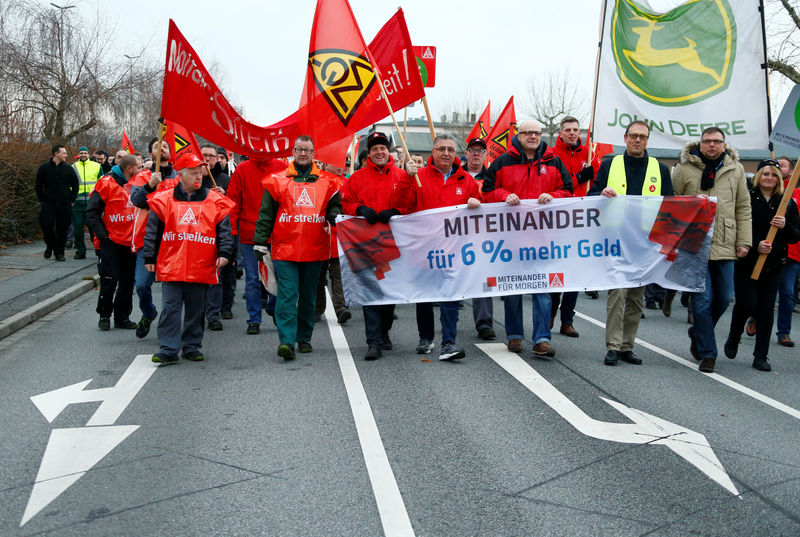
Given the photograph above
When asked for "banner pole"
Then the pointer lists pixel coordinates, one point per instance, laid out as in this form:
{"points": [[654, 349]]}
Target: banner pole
{"points": [[428, 115], [353, 154], [162, 130], [405, 121], [766, 75], [787, 197], [590, 134]]}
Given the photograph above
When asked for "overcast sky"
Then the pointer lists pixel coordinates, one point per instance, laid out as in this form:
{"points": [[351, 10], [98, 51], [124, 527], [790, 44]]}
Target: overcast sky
{"points": [[486, 50]]}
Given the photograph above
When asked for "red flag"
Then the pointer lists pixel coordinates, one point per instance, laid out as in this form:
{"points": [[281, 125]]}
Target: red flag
{"points": [[127, 145], [426, 62], [482, 126], [504, 129], [180, 141]]}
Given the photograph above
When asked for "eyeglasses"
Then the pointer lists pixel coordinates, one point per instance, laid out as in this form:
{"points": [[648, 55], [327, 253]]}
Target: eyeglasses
{"points": [[445, 149], [301, 150], [475, 151], [530, 133], [637, 136], [714, 142]]}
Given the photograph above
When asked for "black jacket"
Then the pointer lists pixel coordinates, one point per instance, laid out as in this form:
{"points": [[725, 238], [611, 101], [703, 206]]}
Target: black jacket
{"points": [[56, 183], [763, 211]]}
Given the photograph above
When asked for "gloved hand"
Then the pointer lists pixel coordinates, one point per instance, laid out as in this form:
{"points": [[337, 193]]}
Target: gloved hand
{"points": [[585, 175], [368, 213], [260, 251], [384, 216]]}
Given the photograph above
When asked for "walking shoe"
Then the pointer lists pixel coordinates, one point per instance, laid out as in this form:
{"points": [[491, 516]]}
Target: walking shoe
{"points": [[194, 356], [514, 345], [543, 348], [486, 332], [750, 327], [611, 357], [693, 344], [386, 344], [80, 255], [568, 330], [425, 346], [163, 359], [286, 351], [762, 364], [707, 365], [143, 328], [451, 351], [48, 253], [60, 257], [731, 346], [342, 316], [215, 325], [104, 324], [630, 357], [227, 314], [785, 340], [304, 347], [666, 308], [373, 353], [253, 328], [125, 324]]}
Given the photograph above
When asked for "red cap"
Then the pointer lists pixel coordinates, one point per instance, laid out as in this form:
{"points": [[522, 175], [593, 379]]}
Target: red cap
{"points": [[189, 160]]}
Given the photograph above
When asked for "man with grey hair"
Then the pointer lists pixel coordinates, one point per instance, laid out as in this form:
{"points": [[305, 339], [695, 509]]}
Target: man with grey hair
{"points": [[527, 171]]}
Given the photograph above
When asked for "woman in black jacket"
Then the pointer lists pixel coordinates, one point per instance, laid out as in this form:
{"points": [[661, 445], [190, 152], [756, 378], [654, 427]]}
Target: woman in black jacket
{"points": [[756, 298]]}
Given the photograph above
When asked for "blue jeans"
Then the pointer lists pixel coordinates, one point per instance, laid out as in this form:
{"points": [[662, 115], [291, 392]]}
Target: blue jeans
{"points": [[786, 296], [541, 317], [252, 285], [448, 317], [708, 307], [144, 287]]}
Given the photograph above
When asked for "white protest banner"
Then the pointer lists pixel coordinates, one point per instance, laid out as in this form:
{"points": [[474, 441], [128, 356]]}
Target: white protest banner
{"points": [[569, 244], [787, 128], [694, 66]]}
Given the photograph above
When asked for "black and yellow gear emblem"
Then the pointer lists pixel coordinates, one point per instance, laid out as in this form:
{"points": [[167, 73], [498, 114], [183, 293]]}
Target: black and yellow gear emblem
{"points": [[343, 77], [502, 138]]}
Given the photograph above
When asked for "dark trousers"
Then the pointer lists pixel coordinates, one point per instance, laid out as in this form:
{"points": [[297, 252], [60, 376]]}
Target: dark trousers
{"points": [[756, 299], [330, 267], [78, 221], [377, 323], [294, 306], [448, 317], [54, 219], [567, 304], [116, 266], [482, 312], [178, 298], [219, 296]]}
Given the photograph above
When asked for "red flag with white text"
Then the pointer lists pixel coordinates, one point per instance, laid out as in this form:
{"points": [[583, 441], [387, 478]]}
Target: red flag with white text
{"points": [[503, 130]]}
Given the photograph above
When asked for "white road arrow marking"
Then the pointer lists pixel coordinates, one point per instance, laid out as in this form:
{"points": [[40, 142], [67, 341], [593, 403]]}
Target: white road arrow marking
{"points": [[70, 453], [115, 399], [646, 429]]}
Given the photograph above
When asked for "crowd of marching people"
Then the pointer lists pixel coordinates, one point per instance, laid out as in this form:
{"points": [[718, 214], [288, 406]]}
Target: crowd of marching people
{"points": [[199, 223]]}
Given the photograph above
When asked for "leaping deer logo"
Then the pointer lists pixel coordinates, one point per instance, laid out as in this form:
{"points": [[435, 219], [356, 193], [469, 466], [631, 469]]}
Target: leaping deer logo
{"points": [[645, 54]]}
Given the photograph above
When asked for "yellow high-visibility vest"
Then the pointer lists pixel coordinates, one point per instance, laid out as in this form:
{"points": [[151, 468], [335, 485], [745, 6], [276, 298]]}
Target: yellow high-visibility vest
{"points": [[88, 172], [619, 182]]}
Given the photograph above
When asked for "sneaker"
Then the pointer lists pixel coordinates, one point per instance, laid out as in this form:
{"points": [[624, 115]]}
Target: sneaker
{"points": [[48, 253], [731, 346], [611, 358], [750, 327], [226, 315], [253, 328], [693, 344], [194, 356], [304, 347], [215, 325], [126, 324], [707, 365], [373, 353], [80, 255], [425, 346], [163, 359], [785, 341], [543, 348], [286, 351], [630, 357], [104, 324], [143, 328], [342, 316], [514, 345], [486, 332], [451, 351], [568, 330], [386, 344], [762, 364], [60, 257]]}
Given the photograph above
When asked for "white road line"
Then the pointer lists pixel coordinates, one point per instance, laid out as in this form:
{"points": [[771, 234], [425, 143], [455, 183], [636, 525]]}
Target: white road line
{"points": [[391, 507], [793, 412]]}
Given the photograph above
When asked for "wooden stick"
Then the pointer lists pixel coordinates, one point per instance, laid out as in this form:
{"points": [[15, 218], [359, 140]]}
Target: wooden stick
{"points": [[428, 115], [787, 197], [162, 131], [405, 121], [590, 133], [353, 155]]}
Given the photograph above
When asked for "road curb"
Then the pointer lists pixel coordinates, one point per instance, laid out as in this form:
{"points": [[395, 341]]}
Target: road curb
{"points": [[34, 313]]}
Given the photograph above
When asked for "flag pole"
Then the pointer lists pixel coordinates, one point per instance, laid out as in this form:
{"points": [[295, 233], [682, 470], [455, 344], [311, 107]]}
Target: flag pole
{"points": [[428, 115], [405, 121], [766, 76], [787, 197], [391, 112], [162, 130], [353, 154], [590, 134]]}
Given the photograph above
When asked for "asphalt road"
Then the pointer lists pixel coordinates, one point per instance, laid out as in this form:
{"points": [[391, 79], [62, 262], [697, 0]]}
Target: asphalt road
{"points": [[493, 445]]}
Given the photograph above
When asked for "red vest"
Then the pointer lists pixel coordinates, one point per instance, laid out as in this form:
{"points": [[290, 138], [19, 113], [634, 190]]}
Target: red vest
{"points": [[188, 251], [140, 215], [300, 232], [118, 214]]}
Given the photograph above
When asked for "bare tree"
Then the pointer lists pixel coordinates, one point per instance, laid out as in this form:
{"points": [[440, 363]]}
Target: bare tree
{"points": [[60, 71], [552, 97], [784, 33]]}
